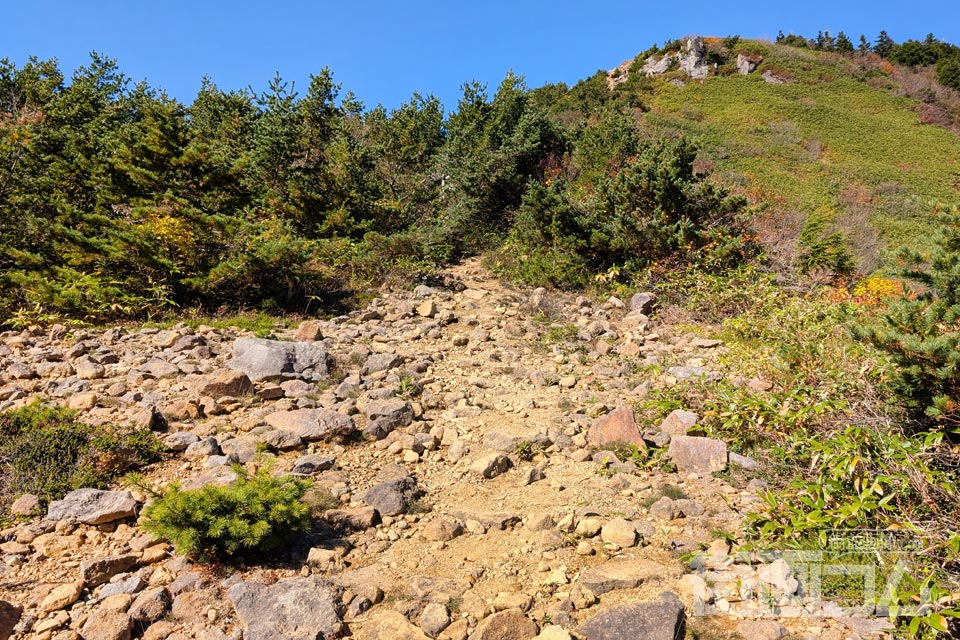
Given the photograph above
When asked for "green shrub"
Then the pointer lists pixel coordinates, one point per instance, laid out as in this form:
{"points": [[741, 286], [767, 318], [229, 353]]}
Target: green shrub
{"points": [[259, 513], [46, 451]]}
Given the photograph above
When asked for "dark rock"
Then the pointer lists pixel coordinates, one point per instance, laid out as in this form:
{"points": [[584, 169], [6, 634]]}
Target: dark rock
{"points": [[293, 609], [491, 465], [392, 497], [661, 619], [9, 617], [620, 574], [307, 465], [390, 414]]}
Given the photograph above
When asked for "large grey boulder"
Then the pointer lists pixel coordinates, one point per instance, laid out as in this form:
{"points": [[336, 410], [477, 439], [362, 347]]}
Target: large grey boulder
{"points": [[263, 359], [660, 619], [293, 609], [312, 424], [93, 506]]}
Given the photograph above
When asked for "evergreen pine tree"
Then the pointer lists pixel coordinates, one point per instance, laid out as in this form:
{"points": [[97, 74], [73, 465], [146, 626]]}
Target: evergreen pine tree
{"points": [[921, 331], [884, 45]]}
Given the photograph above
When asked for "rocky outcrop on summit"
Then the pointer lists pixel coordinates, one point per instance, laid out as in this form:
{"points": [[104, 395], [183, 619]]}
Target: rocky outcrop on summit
{"points": [[691, 58]]}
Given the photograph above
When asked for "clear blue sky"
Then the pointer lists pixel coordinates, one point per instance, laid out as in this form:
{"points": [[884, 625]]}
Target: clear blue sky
{"points": [[383, 51]]}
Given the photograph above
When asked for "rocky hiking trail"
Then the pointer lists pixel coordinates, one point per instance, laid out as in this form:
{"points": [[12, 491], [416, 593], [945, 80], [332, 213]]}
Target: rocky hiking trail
{"points": [[465, 430]]}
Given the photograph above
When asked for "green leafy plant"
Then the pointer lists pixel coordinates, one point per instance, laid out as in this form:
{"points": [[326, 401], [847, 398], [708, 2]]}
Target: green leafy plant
{"points": [[259, 513]]}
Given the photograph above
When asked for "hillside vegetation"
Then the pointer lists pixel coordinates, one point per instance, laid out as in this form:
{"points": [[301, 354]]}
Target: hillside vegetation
{"points": [[118, 201]]}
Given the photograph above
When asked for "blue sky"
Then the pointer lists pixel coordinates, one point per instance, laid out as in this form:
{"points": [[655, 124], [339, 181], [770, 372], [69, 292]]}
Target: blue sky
{"points": [[383, 51]]}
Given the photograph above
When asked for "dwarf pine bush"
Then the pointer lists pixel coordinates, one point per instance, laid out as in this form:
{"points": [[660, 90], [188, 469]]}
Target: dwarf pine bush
{"points": [[258, 513]]}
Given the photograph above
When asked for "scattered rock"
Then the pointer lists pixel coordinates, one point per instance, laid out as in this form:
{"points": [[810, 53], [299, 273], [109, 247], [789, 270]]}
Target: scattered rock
{"points": [[511, 624], [309, 331], [643, 302], [150, 605], [747, 64], [312, 425], [390, 625], [442, 530], [59, 598], [491, 465], [679, 422], [771, 78], [620, 574], [618, 426], [224, 383], [620, 532], [381, 362], [779, 575], [99, 570], [107, 625], [25, 505], [743, 461], [761, 630]]}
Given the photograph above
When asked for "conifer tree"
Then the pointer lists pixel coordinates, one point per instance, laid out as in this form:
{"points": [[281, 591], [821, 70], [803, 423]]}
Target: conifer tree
{"points": [[921, 331], [884, 45]]}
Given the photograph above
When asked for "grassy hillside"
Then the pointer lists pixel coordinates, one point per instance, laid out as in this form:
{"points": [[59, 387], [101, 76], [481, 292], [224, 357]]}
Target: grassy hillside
{"points": [[835, 135]]}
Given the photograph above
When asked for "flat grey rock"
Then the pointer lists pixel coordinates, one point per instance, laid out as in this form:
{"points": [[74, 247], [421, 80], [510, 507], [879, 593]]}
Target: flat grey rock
{"points": [[661, 619], [263, 359], [93, 506], [293, 609]]}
